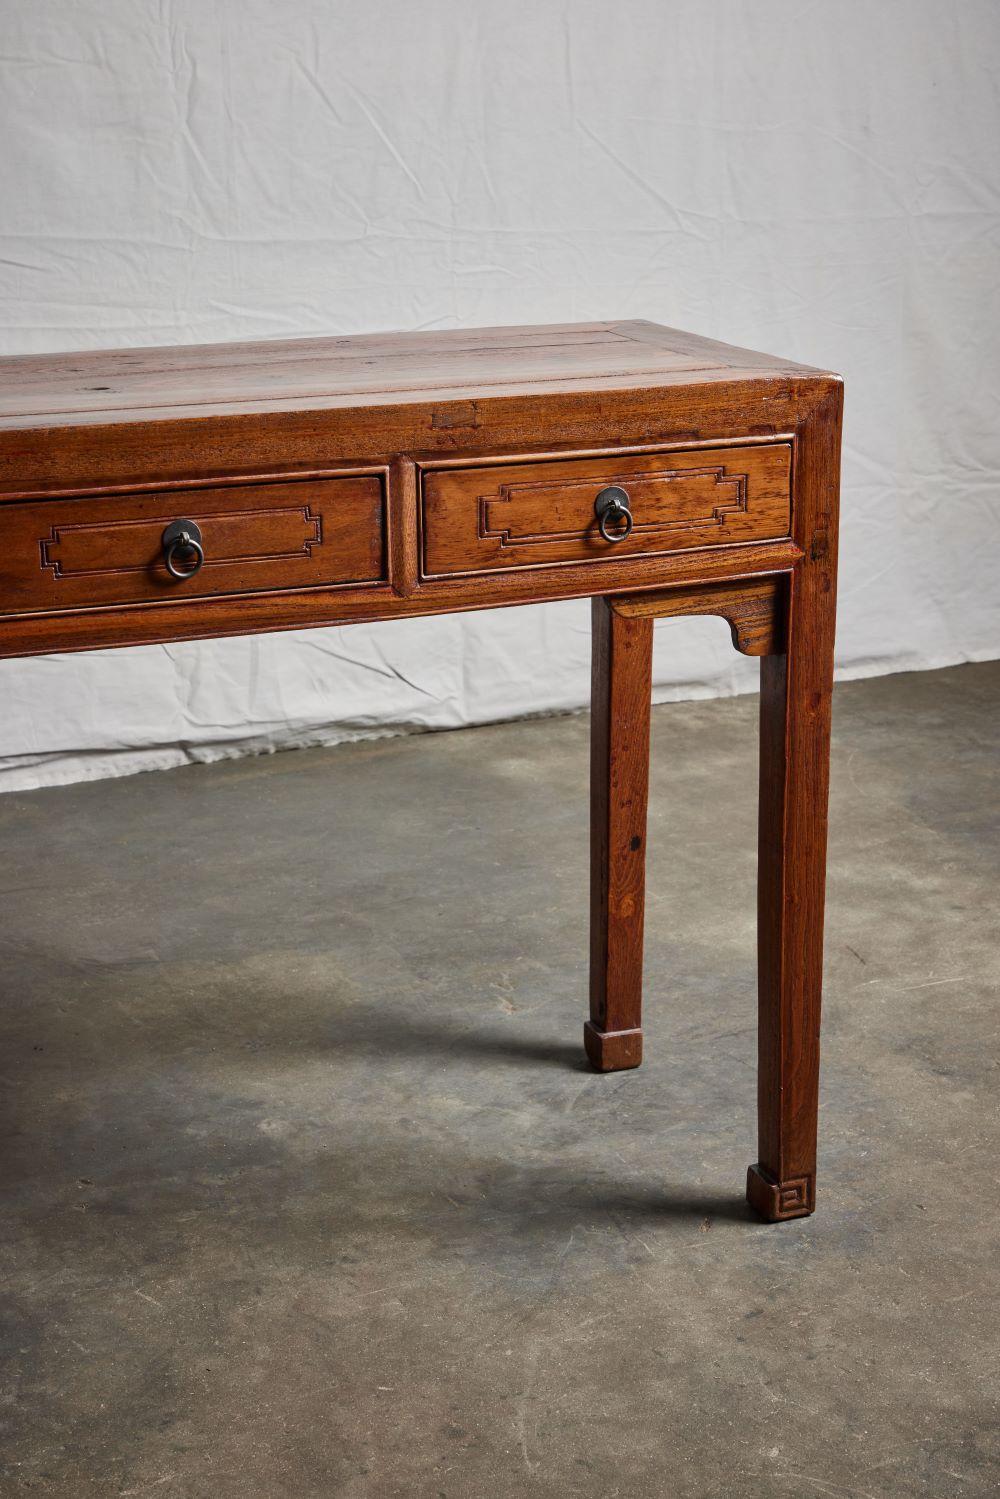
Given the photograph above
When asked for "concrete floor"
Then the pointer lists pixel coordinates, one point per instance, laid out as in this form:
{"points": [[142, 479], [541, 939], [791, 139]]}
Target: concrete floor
{"points": [[311, 1194]]}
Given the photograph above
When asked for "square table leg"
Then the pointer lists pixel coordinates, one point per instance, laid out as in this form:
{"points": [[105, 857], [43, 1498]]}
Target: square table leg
{"points": [[788, 622], [619, 761], [794, 779], [619, 780]]}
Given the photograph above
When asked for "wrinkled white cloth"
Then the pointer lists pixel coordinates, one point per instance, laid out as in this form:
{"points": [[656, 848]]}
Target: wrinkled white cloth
{"points": [[818, 181]]}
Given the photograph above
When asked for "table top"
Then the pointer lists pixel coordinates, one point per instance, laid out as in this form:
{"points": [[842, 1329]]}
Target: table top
{"points": [[64, 390]]}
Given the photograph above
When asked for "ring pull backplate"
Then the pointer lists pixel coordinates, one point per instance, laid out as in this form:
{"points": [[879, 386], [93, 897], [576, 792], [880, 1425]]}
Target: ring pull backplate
{"points": [[183, 553], [614, 515]]}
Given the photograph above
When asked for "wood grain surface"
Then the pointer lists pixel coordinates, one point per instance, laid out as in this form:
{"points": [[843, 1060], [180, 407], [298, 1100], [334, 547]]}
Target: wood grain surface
{"points": [[404, 474], [755, 609], [298, 374], [107, 549], [540, 513], [621, 681]]}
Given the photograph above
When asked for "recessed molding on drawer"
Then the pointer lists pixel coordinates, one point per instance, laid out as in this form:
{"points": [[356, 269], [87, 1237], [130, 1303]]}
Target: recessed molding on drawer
{"points": [[107, 549], [536, 512], [279, 534]]}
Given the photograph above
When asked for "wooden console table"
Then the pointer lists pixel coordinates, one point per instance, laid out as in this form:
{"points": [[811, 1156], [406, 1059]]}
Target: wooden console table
{"points": [[171, 494]]}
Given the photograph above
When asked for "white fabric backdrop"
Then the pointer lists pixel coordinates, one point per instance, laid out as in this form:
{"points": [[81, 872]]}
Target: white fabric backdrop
{"points": [[818, 181]]}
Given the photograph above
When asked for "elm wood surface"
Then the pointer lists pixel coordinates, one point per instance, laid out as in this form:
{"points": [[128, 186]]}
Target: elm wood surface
{"points": [[796, 690], [621, 674], [514, 515], [107, 549], [621, 684], [96, 449], [754, 610], [46, 390]]}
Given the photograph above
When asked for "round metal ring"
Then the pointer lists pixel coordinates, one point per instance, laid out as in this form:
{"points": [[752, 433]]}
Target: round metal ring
{"points": [[616, 512], [185, 542]]}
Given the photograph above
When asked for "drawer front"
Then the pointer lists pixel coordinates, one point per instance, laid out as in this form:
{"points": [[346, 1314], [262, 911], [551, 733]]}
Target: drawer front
{"points": [[108, 549], [531, 514]]}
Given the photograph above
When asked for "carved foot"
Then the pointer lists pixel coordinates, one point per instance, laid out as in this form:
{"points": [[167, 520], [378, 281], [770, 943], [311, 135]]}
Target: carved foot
{"points": [[775, 1201], [612, 1051]]}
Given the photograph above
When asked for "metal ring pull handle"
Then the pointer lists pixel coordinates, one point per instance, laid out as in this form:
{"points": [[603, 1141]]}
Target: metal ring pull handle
{"points": [[612, 508], [181, 541]]}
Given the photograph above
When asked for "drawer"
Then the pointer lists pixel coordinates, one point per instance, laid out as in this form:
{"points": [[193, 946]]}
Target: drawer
{"points": [[108, 549], [482, 518]]}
